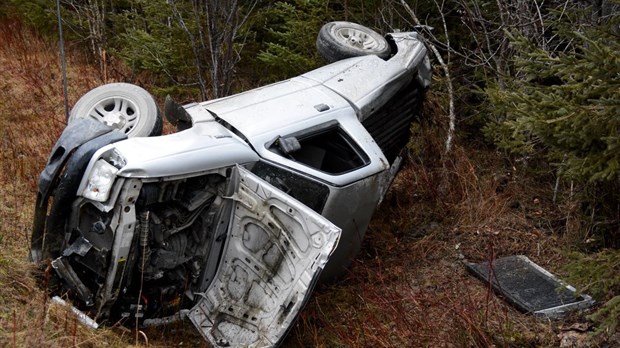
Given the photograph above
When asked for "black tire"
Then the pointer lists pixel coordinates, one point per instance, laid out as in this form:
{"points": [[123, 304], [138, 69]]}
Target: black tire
{"points": [[122, 106], [340, 40]]}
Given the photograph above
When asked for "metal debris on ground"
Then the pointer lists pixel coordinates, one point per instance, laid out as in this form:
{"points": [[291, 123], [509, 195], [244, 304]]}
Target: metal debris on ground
{"points": [[529, 287]]}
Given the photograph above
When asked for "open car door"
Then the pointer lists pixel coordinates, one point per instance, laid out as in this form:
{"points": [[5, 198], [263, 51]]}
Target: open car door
{"points": [[275, 250]]}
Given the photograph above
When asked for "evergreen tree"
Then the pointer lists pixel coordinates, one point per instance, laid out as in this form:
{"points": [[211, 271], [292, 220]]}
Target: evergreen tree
{"points": [[564, 105], [289, 34], [567, 104]]}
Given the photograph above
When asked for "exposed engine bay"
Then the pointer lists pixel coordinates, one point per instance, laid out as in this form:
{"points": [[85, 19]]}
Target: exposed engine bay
{"points": [[175, 231]]}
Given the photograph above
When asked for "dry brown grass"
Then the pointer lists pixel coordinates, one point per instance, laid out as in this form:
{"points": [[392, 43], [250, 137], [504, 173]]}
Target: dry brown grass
{"points": [[408, 288], [31, 118]]}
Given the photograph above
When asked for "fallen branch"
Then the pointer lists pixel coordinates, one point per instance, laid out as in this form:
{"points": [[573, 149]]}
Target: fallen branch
{"points": [[446, 71]]}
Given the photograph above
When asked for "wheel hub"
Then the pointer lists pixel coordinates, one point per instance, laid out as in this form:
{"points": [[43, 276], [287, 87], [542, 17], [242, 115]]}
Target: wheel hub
{"points": [[355, 41], [117, 112], [114, 119], [357, 38]]}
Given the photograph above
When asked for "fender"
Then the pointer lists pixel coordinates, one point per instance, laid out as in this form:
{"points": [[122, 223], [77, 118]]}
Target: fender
{"points": [[72, 152]]}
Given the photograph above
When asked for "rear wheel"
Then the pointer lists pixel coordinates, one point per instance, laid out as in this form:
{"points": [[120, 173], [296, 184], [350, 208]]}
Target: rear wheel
{"points": [[123, 106], [340, 40]]}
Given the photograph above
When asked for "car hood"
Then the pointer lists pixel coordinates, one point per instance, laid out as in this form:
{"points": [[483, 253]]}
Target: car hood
{"points": [[274, 253]]}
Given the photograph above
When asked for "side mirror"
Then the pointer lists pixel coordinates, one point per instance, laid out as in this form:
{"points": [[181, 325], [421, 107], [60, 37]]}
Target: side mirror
{"points": [[176, 114]]}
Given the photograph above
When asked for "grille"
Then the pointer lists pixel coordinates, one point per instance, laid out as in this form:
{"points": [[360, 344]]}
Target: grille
{"points": [[389, 126]]}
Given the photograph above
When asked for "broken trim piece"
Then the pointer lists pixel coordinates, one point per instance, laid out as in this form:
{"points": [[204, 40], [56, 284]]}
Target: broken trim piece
{"points": [[80, 316]]}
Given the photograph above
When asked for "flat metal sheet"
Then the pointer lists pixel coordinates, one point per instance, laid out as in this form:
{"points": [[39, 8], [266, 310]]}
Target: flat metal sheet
{"points": [[529, 287]]}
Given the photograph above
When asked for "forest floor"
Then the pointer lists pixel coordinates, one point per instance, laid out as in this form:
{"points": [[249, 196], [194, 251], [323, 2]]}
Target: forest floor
{"points": [[408, 288]]}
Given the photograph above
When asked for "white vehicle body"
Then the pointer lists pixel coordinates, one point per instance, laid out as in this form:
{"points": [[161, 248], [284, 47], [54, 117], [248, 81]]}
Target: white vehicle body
{"points": [[247, 206]]}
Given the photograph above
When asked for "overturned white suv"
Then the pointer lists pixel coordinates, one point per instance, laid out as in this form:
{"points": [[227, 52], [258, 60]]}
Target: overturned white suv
{"points": [[231, 220]]}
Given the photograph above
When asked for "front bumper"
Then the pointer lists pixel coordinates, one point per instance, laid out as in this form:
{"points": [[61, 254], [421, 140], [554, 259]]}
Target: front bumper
{"points": [[60, 180]]}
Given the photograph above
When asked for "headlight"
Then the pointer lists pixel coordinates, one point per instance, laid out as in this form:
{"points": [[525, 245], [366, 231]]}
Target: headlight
{"points": [[100, 181]]}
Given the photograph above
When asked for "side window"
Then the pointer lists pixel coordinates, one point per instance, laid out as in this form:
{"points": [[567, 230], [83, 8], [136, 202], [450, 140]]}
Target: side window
{"points": [[327, 148]]}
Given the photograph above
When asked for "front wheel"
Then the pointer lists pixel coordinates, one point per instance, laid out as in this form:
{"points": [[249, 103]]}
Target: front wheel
{"points": [[340, 40], [122, 106]]}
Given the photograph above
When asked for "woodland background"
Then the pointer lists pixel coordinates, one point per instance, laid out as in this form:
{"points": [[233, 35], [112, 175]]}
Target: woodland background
{"points": [[517, 151]]}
